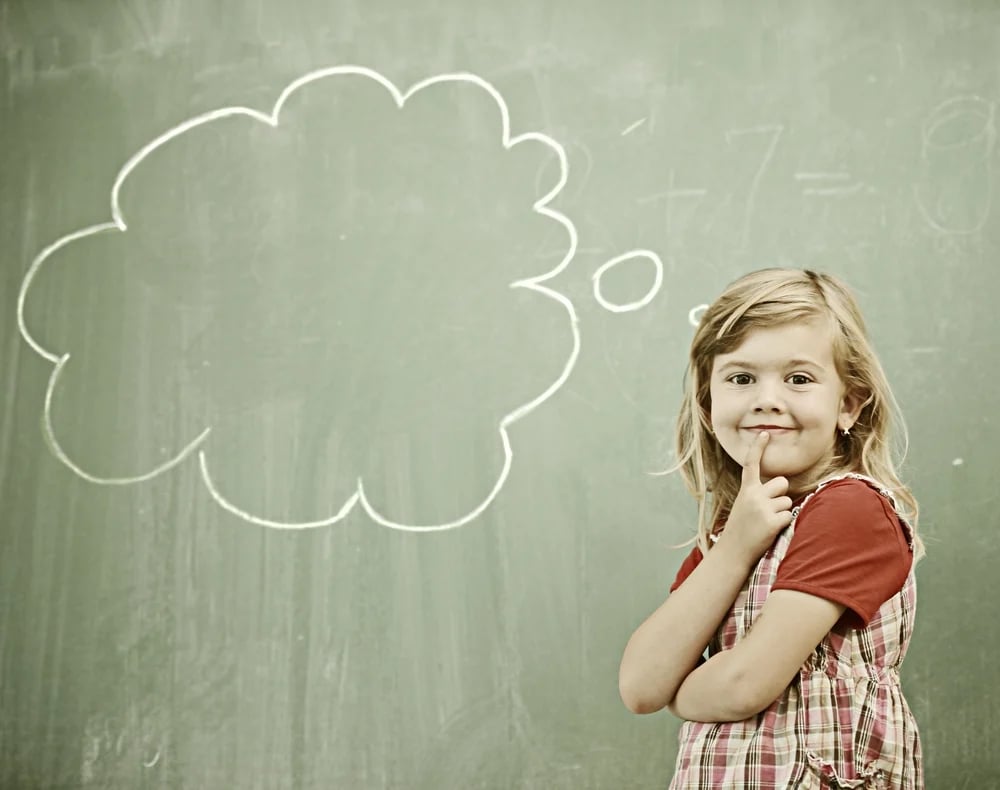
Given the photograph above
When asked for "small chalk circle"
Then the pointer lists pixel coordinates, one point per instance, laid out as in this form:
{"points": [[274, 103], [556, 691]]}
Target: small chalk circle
{"points": [[695, 314]]}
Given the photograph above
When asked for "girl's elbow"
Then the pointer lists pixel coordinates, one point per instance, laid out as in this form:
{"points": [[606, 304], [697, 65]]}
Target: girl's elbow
{"points": [[641, 705], [637, 697]]}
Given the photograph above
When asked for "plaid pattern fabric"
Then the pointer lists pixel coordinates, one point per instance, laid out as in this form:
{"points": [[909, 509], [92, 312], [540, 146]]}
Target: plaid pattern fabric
{"points": [[843, 723]]}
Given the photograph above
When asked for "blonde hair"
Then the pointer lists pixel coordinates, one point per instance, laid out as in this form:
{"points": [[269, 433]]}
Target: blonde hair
{"points": [[765, 299]]}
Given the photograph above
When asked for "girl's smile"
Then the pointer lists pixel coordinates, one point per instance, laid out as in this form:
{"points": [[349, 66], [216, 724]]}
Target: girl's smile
{"points": [[773, 430]]}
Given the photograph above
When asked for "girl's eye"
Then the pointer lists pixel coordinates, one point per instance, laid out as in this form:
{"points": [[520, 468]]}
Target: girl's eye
{"points": [[799, 379], [741, 379]]}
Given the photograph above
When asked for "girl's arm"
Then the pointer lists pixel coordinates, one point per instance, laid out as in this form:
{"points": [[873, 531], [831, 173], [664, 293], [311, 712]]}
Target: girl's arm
{"points": [[850, 551], [668, 645], [739, 683]]}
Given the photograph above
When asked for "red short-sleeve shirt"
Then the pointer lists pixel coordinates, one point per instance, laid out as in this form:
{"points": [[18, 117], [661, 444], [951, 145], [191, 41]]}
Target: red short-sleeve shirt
{"points": [[849, 547]]}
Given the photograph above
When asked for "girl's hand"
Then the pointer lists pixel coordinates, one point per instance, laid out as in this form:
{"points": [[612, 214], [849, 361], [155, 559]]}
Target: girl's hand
{"points": [[761, 510]]}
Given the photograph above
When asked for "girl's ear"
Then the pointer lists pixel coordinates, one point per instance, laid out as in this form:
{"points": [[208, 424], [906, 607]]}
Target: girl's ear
{"points": [[850, 408]]}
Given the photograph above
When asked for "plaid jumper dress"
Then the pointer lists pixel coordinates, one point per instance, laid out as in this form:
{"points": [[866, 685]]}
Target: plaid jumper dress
{"points": [[842, 723]]}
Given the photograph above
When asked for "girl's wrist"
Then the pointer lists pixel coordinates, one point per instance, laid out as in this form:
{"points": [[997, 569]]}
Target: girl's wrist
{"points": [[733, 553]]}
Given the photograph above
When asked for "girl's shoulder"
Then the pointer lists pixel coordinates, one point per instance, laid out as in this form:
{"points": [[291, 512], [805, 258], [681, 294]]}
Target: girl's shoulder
{"points": [[855, 497]]}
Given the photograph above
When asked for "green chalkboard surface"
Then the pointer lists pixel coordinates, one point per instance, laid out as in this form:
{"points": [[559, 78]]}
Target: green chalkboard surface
{"points": [[342, 343]]}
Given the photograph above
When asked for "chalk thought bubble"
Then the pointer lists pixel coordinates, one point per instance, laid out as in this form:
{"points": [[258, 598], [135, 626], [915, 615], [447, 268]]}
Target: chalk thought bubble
{"points": [[221, 122]]}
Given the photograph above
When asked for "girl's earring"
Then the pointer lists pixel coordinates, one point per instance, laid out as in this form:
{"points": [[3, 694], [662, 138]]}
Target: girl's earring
{"points": [[846, 431]]}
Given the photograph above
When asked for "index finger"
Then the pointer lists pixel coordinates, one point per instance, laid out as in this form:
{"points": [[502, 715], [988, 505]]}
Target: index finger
{"points": [[751, 465]]}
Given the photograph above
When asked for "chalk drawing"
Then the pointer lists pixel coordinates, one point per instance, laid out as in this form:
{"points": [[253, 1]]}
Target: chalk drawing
{"points": [[580, 180], [628, 307], [817, 176], [632, 127], [829, 184], [955, 169], [695, 314], [196, 444]]}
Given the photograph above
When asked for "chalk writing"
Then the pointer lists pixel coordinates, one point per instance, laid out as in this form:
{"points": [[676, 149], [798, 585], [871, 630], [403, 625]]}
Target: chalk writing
{"points": [[957, 143], [828, 184], [632, 127], [772, 133], [690, 196]]}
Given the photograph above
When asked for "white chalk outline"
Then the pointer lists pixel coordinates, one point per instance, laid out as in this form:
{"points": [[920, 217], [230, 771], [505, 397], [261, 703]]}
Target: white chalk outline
{"points": [[628, 307], [695, 314], [540, 206]]}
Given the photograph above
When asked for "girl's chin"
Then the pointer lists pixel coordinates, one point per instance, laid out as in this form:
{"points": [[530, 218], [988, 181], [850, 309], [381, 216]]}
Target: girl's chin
{"points": [[769, 472]]}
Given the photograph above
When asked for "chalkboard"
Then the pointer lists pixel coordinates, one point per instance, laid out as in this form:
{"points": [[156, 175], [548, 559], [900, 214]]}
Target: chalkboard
{"points": [[342, 344]]}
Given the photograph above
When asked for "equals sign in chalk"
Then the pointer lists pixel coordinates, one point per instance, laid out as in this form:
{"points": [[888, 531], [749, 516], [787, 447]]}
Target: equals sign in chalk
{"points": [[828, 184]]}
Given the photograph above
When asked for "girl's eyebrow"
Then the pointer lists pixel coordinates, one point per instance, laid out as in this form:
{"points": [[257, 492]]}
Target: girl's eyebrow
{"points": [[791, 363]]}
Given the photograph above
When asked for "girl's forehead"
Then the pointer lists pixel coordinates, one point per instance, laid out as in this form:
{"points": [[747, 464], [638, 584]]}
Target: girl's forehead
{"points": [[805, 341]]}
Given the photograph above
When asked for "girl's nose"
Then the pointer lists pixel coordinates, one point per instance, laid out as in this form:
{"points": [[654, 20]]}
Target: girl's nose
{"points": [[768, 398]]}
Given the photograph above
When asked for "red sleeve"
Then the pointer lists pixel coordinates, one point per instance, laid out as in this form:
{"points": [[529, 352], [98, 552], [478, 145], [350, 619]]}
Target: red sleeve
{"points": [[689, 564], [849, 547]]}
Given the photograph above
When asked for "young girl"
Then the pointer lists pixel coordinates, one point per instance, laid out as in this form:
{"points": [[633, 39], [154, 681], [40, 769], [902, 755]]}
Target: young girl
{"points": [[801, 585]]}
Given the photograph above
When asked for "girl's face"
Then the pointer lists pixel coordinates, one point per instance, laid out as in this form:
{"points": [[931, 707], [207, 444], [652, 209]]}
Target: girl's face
{"points": [[782, 380]]}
